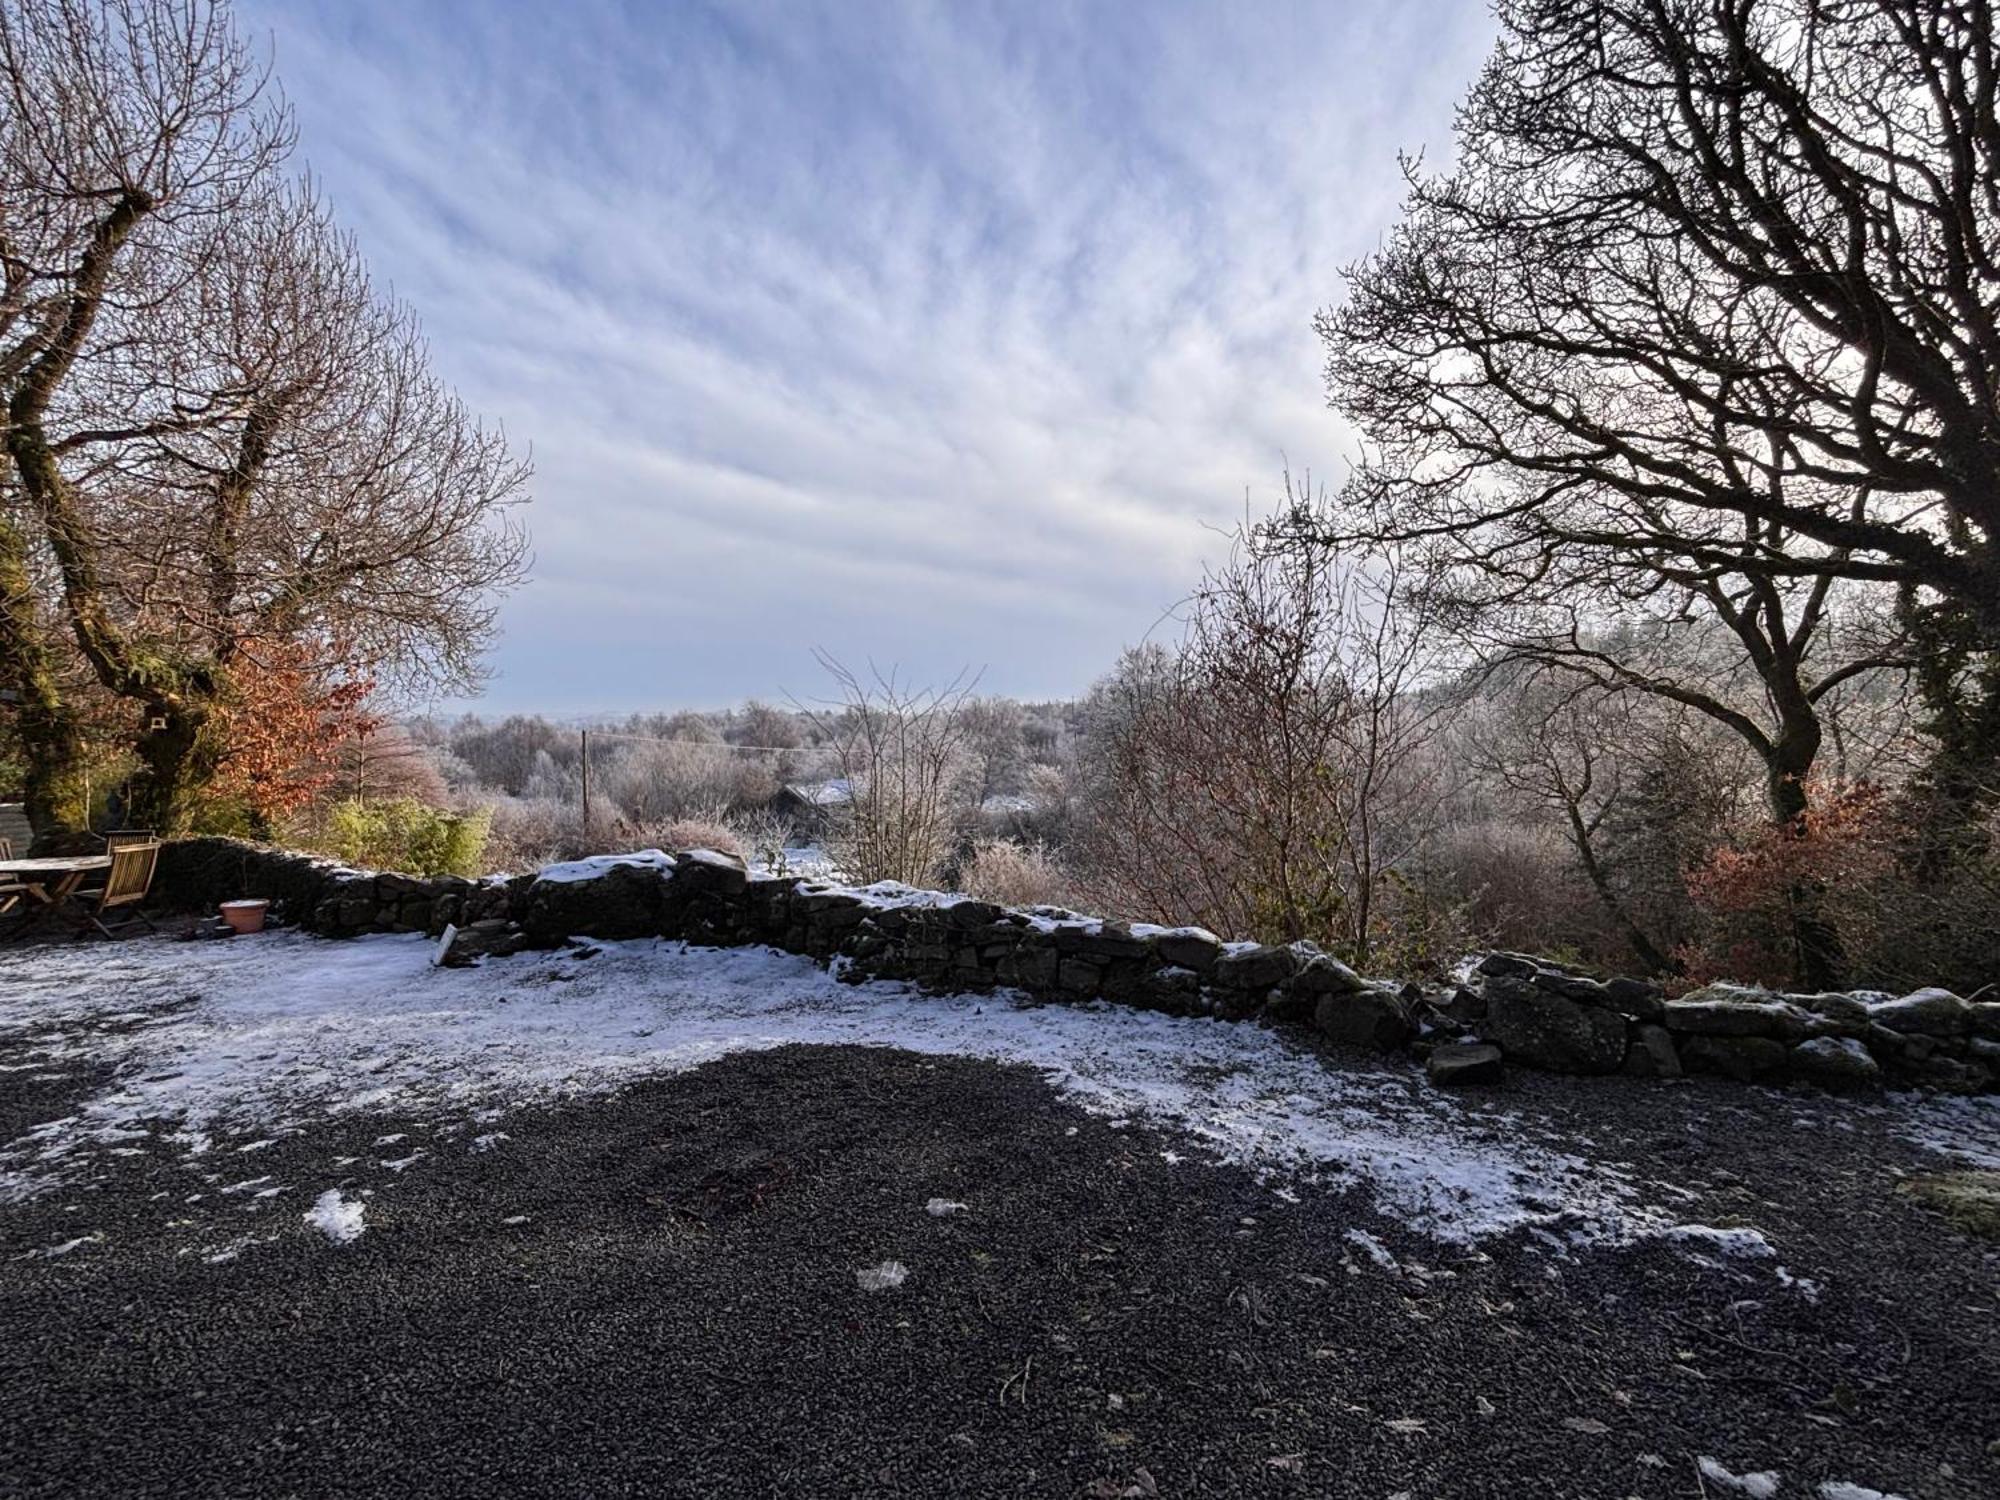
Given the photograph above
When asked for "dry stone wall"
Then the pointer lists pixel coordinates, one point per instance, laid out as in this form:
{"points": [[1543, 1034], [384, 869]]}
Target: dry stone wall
{"points": [[1509, 1009]]}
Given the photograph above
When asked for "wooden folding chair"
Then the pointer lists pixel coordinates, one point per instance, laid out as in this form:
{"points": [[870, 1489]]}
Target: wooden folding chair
{"points": [[12, 888], [119, 837], [126, 884]]}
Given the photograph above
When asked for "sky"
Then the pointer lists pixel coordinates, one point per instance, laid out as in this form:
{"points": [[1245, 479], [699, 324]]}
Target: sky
{"points": [[941, 335]]}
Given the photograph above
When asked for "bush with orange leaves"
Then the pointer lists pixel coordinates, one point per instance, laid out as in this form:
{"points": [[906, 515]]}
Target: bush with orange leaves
{"points": [[1753, 891], [276, 734]]}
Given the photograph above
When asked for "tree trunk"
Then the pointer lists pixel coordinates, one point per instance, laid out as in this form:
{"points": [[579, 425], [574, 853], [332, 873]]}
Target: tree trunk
{"points": [[175, 765], [51, 738], [1643, 947], [1816, 946]]}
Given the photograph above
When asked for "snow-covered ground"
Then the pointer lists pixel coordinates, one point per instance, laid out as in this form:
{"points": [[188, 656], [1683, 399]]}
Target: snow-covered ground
{"points": [[223, 1046]]}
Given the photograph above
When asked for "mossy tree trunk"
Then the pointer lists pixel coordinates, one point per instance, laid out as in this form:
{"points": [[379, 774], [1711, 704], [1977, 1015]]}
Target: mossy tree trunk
{"points": [[52, 741]]}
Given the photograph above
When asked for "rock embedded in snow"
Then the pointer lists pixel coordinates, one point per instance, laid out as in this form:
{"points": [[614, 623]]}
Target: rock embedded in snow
{"points": [[1374, 1249], [1739, 1242], [493, 937]]}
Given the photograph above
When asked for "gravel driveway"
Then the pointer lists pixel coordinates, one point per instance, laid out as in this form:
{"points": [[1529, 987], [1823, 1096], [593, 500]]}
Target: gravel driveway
{"points": [[658, 1290]]}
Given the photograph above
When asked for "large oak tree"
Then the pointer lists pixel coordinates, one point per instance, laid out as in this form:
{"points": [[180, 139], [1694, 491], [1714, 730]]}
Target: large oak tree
{"points": [[222, 444], [1702, 323]]}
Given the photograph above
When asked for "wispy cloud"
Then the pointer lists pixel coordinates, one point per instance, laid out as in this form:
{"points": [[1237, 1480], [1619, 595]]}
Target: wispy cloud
{"points": [[938, 333]]}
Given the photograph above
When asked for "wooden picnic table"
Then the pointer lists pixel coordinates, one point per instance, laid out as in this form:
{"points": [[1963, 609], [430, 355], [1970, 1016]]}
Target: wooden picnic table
{"points": [[51, 879]]}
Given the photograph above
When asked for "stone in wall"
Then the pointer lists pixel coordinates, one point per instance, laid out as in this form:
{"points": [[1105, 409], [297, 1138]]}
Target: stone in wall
{"points": [[1539, 1027]]}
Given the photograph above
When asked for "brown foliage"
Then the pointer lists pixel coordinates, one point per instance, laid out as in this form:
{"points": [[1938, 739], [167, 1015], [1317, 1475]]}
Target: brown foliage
{"points": [[272, 732]]}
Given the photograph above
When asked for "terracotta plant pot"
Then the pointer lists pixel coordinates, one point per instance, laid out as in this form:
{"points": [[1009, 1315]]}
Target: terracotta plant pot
{"points": [[244, 916]]}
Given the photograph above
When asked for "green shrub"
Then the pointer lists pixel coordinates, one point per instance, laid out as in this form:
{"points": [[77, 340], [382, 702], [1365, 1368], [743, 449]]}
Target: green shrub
{"points": [[408, 836]]}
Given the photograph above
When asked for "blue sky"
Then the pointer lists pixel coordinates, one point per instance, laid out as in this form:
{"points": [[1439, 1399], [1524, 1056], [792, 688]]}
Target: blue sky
{"points": [[940, 334]]}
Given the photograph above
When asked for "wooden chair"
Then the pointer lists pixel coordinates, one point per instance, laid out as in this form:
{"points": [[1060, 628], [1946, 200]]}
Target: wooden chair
{"points": [[12, 889], [126, 884], [119, 837]]}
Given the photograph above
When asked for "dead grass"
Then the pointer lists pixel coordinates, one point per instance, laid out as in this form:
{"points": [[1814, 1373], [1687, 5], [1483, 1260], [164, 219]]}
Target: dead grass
{"points": [[1970, 1200]]}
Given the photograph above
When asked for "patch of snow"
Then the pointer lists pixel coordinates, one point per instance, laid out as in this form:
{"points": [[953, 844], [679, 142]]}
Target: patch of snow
{"points": [[489, 1140], [1746, 1244], [235, 1248], [886, 1277], [1053, 919], [940, 1208], [1840, 1489], [403, 1161], [893, 895], [1805, 1286], [1376, 1250], [1962, 1128], [293, 1030], [515, 1219], [50, 1252], [837, 792], [804, 861], [338, 1218], [1759, 1486], [589, 869], [1835, 1048]]}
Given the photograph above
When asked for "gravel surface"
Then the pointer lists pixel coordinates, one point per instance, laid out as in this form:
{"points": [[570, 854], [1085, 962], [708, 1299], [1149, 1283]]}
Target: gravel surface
{"points": [[657, 1292]]}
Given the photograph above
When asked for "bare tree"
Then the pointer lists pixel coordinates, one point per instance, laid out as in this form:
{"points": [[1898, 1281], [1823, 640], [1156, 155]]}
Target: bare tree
{"points": [[1272, 774], [1560, 747], [1703, 311], [110, 117], [1705, 278], [219, 433], [903, 754], [1698, 326]]}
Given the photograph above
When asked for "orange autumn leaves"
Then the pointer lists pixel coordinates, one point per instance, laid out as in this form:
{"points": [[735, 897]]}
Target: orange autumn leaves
{"points": [[293, 704]]}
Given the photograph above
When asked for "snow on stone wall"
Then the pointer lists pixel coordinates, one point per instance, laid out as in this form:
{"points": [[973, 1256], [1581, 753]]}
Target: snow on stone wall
{"points": [[1511, 1008]]}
